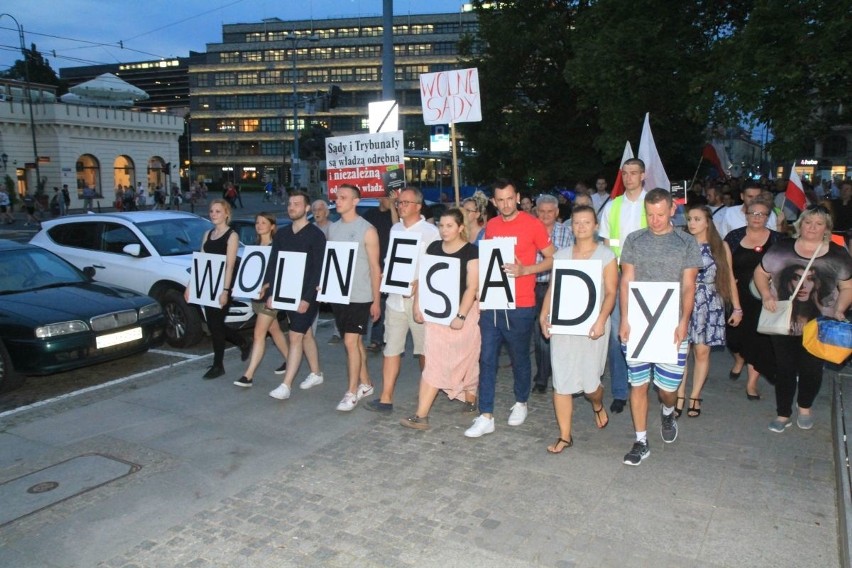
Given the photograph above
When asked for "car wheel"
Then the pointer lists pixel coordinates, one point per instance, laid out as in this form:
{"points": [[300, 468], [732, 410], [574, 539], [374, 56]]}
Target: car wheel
{"points": [[183, 322], [9, 378]]}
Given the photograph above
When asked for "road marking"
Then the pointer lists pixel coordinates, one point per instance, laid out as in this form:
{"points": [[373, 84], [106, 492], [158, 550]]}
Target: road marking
{"points": [[173, 353], [94, 388]]}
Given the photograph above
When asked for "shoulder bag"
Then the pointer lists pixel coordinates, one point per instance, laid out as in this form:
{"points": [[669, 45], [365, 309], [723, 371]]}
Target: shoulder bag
{"points": [[778, 322]]}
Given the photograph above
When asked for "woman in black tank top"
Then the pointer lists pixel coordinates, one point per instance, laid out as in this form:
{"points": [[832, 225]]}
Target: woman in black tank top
{"points": [[222, 240]]}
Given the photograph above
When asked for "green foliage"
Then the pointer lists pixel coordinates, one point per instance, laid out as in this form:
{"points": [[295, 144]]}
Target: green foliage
{"points": [[40, 70]]}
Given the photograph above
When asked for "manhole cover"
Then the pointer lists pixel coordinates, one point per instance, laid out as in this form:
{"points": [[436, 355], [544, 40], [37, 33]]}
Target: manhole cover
{"points": [[43, 487]]}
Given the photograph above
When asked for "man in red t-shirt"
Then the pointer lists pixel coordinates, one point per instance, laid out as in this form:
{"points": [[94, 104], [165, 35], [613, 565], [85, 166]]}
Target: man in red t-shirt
{"points": [[515, 327]]}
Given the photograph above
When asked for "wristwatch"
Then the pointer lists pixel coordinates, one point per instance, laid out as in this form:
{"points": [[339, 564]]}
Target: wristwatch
{"points": [[461, 317]]}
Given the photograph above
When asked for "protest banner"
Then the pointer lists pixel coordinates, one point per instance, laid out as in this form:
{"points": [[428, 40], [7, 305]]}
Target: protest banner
{"points": [[448, 97], [207, 279], [400, 263], [438, 288], [576, 297], [374, 163], [338, 265], [653, 312], [496, 288], [251, 271], [288, 282]]}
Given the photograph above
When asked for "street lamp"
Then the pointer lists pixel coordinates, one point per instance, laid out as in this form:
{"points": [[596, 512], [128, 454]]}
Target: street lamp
{"points": [[29, 93], [294, 161]]}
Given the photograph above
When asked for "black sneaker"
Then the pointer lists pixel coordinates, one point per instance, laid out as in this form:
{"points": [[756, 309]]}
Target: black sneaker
{"points": [[376, 405], [282, 369], [243, 382], [617, 405], [214, 373], [668, 427], [637, 453]]}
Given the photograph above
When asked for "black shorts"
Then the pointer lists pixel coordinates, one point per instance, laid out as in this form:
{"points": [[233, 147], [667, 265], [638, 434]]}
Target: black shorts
{"points": [[352, 318], [301, 323]]}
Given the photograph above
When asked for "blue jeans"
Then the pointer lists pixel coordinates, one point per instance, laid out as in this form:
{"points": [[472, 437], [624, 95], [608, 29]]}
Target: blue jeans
{"points": [[617, 362], [514, 327], [541, 346]]}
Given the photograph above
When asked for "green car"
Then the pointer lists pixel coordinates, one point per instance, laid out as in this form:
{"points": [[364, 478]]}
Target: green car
{"points": [[53, 317]]}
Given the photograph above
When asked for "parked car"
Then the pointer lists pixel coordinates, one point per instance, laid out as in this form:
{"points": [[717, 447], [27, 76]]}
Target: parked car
{"points": [[244, 226], [54, 318], [146, 251]]}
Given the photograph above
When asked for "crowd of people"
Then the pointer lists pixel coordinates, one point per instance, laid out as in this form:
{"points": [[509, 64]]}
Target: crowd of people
{"points": [[728, 263]]}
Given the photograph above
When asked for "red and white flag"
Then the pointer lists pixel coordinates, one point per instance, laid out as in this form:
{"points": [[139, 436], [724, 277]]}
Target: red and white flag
{"points": [[655, 173], [715, 153], [618, 186], [795, 193]]}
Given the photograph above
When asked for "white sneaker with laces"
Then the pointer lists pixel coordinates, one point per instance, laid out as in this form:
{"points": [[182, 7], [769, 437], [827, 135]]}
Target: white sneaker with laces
{"points": [[481, 426], [519, 414], [312, 380], [281, 393], [363, 390], [349, 402]]}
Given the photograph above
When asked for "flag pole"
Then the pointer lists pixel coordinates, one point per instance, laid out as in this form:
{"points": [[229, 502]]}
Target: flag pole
{"points": [[701, 161], [455, 162]]}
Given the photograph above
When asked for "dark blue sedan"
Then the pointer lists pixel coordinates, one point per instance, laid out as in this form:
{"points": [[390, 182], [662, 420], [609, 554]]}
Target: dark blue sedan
{"points": [[54, 318]]}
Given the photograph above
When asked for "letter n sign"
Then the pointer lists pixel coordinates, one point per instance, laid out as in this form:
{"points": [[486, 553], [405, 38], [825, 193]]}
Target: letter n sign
{"points": [[576, 296], [652, 312]]}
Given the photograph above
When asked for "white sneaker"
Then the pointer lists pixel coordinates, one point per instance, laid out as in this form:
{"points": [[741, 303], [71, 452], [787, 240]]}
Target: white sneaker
{"points": [[349, 402], [363, 390], [281, 393], [480, 427], [519, 414], [311, 381]]}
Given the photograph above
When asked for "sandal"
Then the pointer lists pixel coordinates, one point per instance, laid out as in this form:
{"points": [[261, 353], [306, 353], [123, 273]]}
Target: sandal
{"points": [[693, 412], [679, 409], [601, 422], [564, 444]]}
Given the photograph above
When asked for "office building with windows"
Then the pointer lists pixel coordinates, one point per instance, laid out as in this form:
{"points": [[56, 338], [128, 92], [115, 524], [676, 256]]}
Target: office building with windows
{"points": [[242, 97]]}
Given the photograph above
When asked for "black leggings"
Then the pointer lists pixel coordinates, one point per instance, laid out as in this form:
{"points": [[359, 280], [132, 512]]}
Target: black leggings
{"points": [[220, 333], [795, 362]]}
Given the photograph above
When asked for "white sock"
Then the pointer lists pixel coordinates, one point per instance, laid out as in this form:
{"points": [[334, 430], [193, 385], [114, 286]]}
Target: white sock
{"points": [[642, 437], [667, 410]]}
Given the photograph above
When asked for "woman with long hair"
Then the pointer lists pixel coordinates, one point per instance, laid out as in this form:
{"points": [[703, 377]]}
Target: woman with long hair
{"points": [[579, 361], [474, 216], [266, 322], [751, 350], [452, 351], [715, 288], [223, 240]]}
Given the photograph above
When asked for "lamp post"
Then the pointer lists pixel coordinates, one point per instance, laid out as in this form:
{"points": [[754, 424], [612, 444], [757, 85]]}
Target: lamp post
{"points": [[29, 92], [294, 160]]}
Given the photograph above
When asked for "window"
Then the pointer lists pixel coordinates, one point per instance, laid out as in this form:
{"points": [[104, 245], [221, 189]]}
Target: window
{"points": [[340, 75], [410, 72], [272, 77], [271, 149], [226, 125], [252, 56], [271, 125], [275, 55], [347, 32], [446, 28], [249, 125], [224, 79], [344, 52], [229, 57], [201, 80], [417, 29], [255, 37], [116, 237], [341, 123], [371, 31], [321, 53], [445, 48], [276, 36], [288, 124], [247, 78], [317, 76], [77, 235], [366, 74]]}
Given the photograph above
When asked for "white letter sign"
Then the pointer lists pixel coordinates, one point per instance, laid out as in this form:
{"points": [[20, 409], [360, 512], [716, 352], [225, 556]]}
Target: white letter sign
{"points": [[401, 263], [438, 291], [288, 281], [337, 269], [496, 288], [577, 295], [207, 279], [252, 269], [450, 96], [652, 312]]}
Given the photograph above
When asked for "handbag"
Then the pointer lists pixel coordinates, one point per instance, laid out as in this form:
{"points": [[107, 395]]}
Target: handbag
{"points": [[828, 339], [778, 322]]}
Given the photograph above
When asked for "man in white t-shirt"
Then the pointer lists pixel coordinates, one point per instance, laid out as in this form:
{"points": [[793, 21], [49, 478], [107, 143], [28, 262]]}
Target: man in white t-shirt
{"points": [[735, 217]]}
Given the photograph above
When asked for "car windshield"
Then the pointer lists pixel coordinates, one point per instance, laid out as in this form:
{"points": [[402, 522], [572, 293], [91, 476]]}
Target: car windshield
{"points": [[22, 270], [172, 237]]}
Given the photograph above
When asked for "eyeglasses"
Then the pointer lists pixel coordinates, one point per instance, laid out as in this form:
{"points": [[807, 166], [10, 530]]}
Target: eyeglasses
{"points": [[758, 214], [401, 203]]}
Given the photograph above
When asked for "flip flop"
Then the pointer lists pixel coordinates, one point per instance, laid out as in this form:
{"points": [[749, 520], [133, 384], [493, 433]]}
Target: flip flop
{"points": [[600, 422], [565, 444]]}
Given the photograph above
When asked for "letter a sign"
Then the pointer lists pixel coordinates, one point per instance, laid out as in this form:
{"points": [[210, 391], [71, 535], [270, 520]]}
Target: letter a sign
{"points": [[652, 312]]}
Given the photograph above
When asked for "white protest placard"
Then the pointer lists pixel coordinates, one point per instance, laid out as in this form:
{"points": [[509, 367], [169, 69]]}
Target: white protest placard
{"points": [[206, 279], [496, 288], [288, 281], [383, 116], [652, 312], [338, 266], [401, 263], [450, 96], [438, 288], [373, 162], [576, 297], [251, 272]]}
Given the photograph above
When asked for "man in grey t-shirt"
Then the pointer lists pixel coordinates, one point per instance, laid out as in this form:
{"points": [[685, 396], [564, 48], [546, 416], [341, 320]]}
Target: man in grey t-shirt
{"points": [[659, 253]]}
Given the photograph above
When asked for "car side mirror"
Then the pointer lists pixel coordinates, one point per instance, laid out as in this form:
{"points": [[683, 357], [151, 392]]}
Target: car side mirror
{"points": [[89, 272], [133, 250]]}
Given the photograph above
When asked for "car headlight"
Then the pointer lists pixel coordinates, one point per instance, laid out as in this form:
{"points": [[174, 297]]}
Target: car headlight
{"points": [[150, 310], [64, 328]]}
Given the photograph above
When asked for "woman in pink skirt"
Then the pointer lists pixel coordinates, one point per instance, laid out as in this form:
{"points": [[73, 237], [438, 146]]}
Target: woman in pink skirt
{"points": [[452, 351]]}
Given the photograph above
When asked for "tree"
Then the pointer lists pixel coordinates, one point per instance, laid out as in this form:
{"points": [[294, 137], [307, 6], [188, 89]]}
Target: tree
{"points": [[40, 70]]}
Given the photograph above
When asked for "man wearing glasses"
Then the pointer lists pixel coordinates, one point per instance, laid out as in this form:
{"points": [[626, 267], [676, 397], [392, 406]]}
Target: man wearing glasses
{"points": [[735, 217], [399, 318]]}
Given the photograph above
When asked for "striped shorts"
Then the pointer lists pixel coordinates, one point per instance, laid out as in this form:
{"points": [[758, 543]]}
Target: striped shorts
{"points": [[667, 377]]}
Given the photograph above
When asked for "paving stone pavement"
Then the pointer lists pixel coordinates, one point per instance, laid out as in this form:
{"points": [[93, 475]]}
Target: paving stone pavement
{"points": [[237, 479]]}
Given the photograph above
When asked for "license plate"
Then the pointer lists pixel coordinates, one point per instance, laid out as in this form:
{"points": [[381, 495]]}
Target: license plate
{"points": [[119, 337]]}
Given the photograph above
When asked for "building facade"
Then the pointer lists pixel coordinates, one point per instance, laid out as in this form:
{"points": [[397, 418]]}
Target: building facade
{"points": [[242, 103]]}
